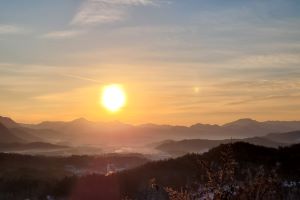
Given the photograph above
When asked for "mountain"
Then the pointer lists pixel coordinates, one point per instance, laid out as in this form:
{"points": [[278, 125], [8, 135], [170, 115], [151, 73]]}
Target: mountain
{"points": [[249, 127], [48, 125], [290, 137], [82, 131], [47, 135], [242, 128], [19, 131], [81, 124], [8, 122], [61, 126], [246, 122], [25, 134], [6, 136], [29, 146], [262, 141], [182, 147], [177, 148], [30, 134]]}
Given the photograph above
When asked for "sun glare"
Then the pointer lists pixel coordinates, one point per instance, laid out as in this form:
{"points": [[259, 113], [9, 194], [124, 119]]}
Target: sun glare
{"points": [[113, 97]]}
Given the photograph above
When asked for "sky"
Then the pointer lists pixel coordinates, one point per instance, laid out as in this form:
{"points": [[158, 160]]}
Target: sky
{"points": [[179, 61]]}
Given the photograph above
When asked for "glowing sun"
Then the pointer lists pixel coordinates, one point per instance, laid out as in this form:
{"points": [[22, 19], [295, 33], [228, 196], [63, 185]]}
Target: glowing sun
{"points": [[113, 97]]}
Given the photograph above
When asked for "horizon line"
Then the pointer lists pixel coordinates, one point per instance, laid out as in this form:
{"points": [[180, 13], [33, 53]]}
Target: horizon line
{"points": [[147, 123]]}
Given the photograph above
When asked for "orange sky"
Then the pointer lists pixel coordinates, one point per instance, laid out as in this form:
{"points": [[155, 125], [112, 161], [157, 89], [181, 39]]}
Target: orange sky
{"points": [[180, 62]]}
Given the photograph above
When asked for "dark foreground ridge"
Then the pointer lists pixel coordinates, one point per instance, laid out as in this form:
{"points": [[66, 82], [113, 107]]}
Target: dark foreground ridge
{"points": [[239, 166]]}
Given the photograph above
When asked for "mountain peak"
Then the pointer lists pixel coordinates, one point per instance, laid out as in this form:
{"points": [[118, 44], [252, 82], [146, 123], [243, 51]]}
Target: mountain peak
{"points": [[8, 122], [81, 119], [246, 120], [198, 125], [242, 122]]}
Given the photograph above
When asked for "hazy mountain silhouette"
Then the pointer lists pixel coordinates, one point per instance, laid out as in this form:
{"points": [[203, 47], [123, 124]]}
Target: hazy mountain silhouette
{"points": [[6, 136], [83, 131], [19, 131], [242, 128], [29, 146], [27, 134], [199, 145], [290, 137], [8, 122], [81, 124]]}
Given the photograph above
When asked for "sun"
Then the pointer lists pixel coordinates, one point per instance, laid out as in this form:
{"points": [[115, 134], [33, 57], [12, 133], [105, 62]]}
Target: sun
{"points": [[113, 97]]}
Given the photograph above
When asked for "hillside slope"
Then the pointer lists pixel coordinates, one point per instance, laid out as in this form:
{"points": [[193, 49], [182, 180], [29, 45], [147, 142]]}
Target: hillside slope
{"points": [[177, 148], [6, 136]]}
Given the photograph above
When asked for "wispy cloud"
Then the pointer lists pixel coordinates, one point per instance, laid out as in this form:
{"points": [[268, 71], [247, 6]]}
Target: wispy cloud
{"points": [[271, 97], [11, 29], [82, 78], [270, 60], [62, 34], [105, 11]]}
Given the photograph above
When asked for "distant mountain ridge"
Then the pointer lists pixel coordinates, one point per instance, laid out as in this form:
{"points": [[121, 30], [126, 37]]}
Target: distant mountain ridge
{"points": [[182, 147], [83, 131], [26, 134], [6, 136], [29, 146], [8, 122], [289, 137]]}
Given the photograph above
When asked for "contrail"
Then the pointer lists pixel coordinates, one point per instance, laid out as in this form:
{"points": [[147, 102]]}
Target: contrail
{"points": [[82, 78]]}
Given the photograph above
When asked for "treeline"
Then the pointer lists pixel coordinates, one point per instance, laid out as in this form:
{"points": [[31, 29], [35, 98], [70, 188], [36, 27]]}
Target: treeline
{"points": [[43, 167], [238, 168]]}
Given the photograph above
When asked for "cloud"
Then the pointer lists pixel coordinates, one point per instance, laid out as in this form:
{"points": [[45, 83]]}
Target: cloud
{"points": [[126, 2], [62, 34], [105, 11], [266, 98], [270, 60], [4, 65], [10, 29], [82, 78]]}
